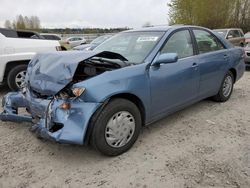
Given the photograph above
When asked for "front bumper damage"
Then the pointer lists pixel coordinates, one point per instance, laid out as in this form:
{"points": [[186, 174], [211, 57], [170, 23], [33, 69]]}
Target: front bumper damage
{"points": [[51, 121]]}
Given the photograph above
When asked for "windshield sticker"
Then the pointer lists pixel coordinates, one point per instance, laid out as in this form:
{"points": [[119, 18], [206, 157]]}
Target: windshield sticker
{"points": [[147, 39]]}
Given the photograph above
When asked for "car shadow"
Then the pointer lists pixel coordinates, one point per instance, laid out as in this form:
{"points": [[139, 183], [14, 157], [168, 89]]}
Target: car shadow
{"points": [[81, 154], [3, 90]]}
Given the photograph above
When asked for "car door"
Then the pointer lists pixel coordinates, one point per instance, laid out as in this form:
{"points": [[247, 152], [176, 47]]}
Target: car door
{"points": [[174, 84], [212, 60]]}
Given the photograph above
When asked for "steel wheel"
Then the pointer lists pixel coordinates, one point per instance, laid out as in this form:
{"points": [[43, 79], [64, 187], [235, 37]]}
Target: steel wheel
{"points": [[227, 86], [20, 78], [120, 129]]}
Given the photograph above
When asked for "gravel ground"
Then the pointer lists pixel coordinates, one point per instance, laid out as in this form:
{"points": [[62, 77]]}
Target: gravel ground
{"points": [[205, 145]]}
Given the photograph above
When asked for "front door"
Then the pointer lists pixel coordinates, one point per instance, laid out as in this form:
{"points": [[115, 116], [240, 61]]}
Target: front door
{"points": [[174, 84]]}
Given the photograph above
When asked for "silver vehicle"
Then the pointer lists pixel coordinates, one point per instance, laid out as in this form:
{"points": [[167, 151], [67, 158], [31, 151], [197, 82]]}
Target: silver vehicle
{"points": [[75, 41], [247, 55], [233, 35]]}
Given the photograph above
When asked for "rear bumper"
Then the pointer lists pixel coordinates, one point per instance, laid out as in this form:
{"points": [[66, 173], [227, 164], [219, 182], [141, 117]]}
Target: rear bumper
{"points": [[52, 122]]}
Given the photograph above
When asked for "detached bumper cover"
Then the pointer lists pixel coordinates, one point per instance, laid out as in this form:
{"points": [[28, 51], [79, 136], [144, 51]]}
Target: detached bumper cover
{"points": [[53, 123], [10, 103]]}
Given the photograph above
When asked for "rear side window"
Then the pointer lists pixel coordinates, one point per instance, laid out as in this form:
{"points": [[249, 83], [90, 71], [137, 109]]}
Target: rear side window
{"points": [[207, 42], [180, 43]]}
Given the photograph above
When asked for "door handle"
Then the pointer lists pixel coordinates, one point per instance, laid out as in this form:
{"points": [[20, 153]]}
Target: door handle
{"points": [[194, 65], [225, 56]]}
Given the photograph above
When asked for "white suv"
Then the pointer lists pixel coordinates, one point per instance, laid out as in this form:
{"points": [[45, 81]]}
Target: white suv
{"points": [[16, 50]]}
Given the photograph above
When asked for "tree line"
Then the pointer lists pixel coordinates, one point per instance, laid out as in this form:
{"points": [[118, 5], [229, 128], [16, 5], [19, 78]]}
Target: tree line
{"points": [[211, 13], [24, 22], [33, 23]]}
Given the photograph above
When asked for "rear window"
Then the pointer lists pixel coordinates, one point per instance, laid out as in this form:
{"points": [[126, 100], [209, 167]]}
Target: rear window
{"points": [[25, 34]]}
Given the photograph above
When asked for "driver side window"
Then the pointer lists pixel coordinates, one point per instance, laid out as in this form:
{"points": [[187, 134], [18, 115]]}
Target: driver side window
{"points": [[180, 43]]}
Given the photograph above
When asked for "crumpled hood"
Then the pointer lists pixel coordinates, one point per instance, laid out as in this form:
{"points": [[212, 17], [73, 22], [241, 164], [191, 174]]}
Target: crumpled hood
{"points": [[48, 73]]}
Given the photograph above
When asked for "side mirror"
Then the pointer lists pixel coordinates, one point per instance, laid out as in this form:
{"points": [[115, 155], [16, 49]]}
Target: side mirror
{"points": [[229, 36], [165, 59]]}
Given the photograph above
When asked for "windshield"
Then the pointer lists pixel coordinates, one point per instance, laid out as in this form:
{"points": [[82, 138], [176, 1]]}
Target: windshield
{"points": [[223, 32], [100, 40], [134, 46]]}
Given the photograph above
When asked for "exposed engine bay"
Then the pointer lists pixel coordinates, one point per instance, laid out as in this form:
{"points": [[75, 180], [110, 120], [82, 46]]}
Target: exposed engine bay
{"points": [[90, 68], [95, 66], [50, 73]]}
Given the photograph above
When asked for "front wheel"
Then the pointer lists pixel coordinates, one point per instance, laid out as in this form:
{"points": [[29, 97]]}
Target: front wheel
{"points": [[116, 128], [226, 88]]}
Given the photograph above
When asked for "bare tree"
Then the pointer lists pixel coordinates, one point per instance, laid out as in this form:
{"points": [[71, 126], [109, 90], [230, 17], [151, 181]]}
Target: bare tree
{"points": [[8, 24], [25, 22], [20, 22]]}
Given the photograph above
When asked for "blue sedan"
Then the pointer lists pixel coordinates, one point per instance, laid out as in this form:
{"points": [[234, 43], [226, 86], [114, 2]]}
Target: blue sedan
{"points": [[104, 97]]}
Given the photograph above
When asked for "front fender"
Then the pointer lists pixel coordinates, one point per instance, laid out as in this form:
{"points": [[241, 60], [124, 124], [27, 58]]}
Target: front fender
{"points": [[130, 80]]}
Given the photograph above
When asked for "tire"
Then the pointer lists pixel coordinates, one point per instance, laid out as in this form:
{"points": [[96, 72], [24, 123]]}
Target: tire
{"points": [[102, 134], [11, 77], [223, 95]]}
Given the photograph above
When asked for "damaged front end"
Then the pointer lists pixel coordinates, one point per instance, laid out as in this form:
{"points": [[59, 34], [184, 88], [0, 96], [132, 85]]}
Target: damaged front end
{"points": [[56, 107]]}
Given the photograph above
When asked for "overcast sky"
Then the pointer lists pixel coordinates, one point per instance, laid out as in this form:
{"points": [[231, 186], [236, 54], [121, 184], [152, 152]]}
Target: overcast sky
{"points": [[88, 13]]}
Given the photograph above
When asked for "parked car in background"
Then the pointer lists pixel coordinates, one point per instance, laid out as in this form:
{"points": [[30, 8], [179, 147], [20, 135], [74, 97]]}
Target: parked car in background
{"points": [[247, 37], [137, 77], [247, 55], [75, 41], [50, 36], [233, 35], [96, 42], [16, 50]]}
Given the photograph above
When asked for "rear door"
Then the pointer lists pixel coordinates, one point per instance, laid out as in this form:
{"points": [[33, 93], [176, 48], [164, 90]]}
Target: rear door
{"points": [[212, 60]]}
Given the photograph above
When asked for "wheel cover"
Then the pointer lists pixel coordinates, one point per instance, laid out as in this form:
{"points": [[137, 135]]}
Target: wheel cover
{"points": [[227, 86], [20, 78], [120, 129]]}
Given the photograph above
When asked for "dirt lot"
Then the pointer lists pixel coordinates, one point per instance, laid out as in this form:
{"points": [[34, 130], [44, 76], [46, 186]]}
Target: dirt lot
{"points": [[205, 145]]}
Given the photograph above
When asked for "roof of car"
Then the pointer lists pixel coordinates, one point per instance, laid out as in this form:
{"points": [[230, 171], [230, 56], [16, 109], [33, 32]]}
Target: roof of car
{"points": [[228, 29], [163, 28]]}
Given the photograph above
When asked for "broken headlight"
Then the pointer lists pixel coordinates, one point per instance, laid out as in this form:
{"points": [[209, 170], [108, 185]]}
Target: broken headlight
{"points": [[71, 92], [78, 91]]}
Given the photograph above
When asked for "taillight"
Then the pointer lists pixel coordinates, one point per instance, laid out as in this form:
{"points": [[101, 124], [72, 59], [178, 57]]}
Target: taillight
{"points": [[58, 48]]}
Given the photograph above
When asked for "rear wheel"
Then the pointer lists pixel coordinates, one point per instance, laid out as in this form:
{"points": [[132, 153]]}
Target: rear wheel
{"points": [[116, 128], [226, 88], [16, 77]]}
